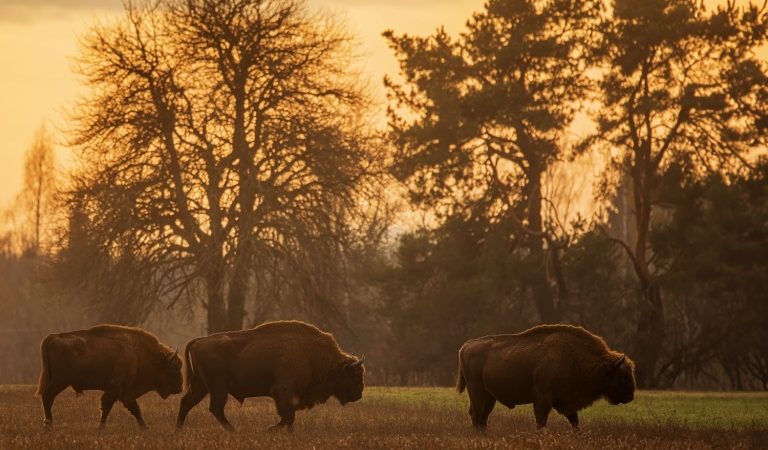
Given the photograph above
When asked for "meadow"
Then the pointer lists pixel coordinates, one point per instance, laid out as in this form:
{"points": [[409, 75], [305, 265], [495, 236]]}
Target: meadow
{"points": [[397, 418]]}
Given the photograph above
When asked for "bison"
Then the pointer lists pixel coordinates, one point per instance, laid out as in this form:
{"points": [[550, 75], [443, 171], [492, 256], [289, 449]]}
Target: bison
{"points": [[124, 362], [292, 362], [552, 366]]}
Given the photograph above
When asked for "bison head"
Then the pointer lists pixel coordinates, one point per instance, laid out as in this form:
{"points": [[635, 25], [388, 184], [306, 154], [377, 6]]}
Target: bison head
{"points": [[348, 383], [169, 379], [619, 381]]}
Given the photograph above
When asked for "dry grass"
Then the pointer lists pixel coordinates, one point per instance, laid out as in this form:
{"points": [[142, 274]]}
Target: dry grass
{"points": [[423, 418]]}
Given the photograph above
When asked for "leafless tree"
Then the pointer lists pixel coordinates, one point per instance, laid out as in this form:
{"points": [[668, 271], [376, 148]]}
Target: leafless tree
{"points": [[218, 134], [36, 200]]}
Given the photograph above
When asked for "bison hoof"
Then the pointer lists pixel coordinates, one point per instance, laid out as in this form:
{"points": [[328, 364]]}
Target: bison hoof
{"points": [[47, 423]]}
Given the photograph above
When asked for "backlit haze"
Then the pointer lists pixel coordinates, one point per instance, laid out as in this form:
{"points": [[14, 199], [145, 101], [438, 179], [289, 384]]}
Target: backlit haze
{"points": [[38, 39]]}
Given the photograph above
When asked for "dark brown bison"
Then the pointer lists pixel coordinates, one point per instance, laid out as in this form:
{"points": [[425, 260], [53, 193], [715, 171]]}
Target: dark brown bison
{"points": [[552, 366], [124, 362], [292, 362]]}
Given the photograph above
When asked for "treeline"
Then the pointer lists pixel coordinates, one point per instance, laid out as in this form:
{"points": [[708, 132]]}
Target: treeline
{"points": [[230, 171], [466, 279]]}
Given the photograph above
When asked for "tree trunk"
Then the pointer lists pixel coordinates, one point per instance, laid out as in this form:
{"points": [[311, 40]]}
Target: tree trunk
{"points": [[650, 337], [542, 292], [217, 316], [238, 289], [246, 197]]}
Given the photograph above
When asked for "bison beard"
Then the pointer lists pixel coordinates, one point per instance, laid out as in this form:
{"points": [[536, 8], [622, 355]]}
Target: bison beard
{"points": [[124, 362], [293, 362], [552, 366]]}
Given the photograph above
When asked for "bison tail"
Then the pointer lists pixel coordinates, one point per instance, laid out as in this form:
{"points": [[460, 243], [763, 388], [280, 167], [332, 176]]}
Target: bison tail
{"points": [[189, 372], [461, 383], [45, 374]]}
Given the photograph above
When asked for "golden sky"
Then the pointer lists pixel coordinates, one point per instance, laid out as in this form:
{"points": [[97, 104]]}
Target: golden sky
{"points": [[38, 38]]}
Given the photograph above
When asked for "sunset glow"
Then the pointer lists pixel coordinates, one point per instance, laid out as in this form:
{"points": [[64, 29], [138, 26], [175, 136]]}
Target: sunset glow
{"points": [[38, 40]]}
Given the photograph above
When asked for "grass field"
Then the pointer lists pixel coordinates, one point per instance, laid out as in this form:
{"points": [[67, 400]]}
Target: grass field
{"points": [[423, 418]]}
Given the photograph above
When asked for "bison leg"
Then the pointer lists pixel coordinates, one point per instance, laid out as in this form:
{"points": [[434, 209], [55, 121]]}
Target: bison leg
{"points": [[286, 412], [573, 419], [480, 406], [218, 402], [48, 395], [107, 400], [195, 395], [133, 407], [541, 409]]}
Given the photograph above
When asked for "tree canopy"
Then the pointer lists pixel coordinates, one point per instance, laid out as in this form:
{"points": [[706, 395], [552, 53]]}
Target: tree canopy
{"points": [[477, 121], [220, 136], [682, 85]]}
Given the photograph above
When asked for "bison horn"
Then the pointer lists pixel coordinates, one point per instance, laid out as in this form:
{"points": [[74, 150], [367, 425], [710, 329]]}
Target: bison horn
{"points": [[619, 361], [175, 354], [357, 363]]}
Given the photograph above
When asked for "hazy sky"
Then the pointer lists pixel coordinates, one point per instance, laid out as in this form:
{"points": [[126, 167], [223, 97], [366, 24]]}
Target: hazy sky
{"points": [[38, 38]]}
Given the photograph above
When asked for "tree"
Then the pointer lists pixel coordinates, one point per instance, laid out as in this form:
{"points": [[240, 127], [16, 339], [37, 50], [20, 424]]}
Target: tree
{"points": [[714, 249], [682, 85], [477, 121], [445, 285], [109, 280], [39, 188], [220, 134]]}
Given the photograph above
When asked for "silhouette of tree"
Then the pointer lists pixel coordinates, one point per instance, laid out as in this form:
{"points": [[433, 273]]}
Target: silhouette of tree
{"points": [[714, 250], [107, 278], [478, 120], [682, 85], [37, 197], [220, 134]]}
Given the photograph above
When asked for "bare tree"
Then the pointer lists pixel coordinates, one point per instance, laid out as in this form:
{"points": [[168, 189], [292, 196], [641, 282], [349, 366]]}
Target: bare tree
{"points": [[219, 133], [37, 197]]}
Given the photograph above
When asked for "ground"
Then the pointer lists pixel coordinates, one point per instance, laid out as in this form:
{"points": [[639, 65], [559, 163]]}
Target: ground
{"points": [[397, 418]]}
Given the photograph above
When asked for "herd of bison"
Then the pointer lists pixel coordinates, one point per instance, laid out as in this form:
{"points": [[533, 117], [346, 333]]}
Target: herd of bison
{"points": [[552, 366]]}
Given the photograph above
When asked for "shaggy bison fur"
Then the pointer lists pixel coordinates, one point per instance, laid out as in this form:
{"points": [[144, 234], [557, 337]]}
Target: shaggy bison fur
{"points": [[552, 366], [293, 362], [124, 362]]}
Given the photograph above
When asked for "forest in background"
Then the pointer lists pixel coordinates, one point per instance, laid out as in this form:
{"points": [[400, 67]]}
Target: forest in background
{"points": [[230, 170]]}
